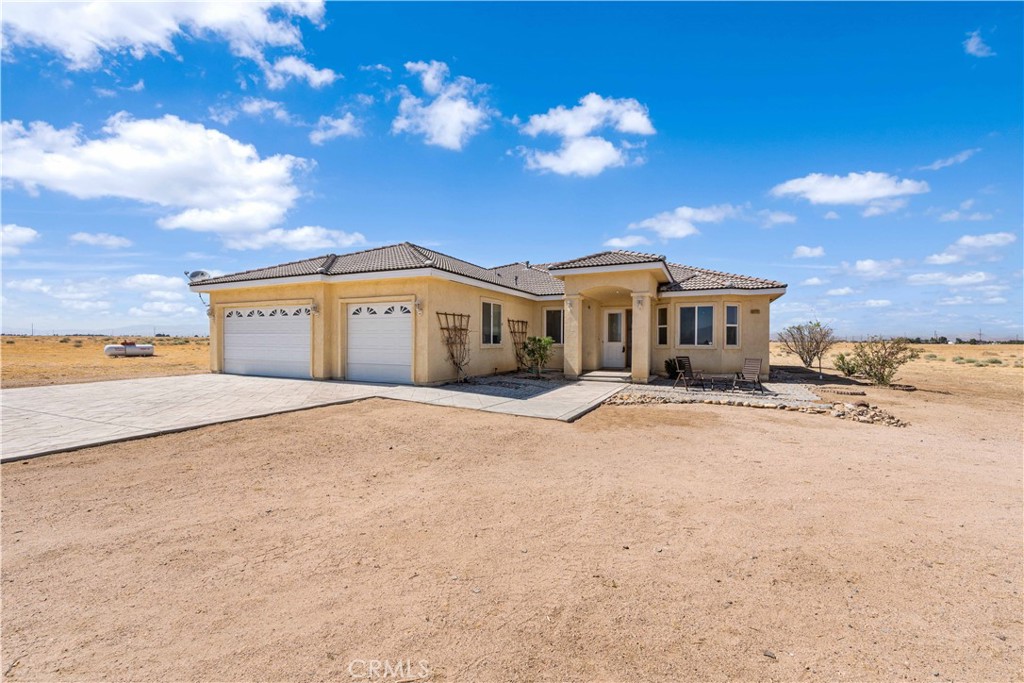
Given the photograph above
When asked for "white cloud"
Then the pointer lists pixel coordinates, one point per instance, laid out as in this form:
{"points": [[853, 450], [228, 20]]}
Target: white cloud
{"points": [[105, 92], [86, 306], [101, 239], [881, 192], [955, 301], [814, 282], [842, 291], [375, 67], [328, 128], [285, 69], [584, 157], [958, 158], [956, 215], [626, 242], [165, 296], [773, 218], [947, 280], [208, 181], [148, 281], [83, 32], [593, 112], [13, 237], [152, 309], [808, 252], [682, 221], [139, 86], [581, 152], [876, 303], [976, 47], [971, 244], [831, 216], [34, 284], [258, 106], [874, 269], [299, 239], [454, 112]]}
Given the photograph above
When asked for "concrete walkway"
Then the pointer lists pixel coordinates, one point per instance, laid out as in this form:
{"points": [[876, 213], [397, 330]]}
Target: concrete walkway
{"points": [[40, 420]]}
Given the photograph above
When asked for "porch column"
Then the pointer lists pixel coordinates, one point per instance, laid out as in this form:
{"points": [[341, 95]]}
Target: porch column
{"points": [[572, 343], [641, 368]]}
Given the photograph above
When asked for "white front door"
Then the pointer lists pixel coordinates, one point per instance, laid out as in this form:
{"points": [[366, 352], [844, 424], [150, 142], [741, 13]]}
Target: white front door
{"points": [[380, 343], [614, 355]]}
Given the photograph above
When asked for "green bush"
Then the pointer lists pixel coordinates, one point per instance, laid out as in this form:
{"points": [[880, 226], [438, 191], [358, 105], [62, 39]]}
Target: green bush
{"points": [[930, 356], [538, 352], [845, 364], [994, 361], [64, 340], [879, 359]]}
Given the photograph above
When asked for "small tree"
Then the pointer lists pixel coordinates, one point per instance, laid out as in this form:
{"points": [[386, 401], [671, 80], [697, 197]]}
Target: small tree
{"points": [[878, 359], [538, 351], [809, 342]]}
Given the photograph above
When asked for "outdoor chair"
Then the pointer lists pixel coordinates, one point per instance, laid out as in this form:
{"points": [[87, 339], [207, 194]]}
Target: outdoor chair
{"points": [[686, 375], [749, 375]]}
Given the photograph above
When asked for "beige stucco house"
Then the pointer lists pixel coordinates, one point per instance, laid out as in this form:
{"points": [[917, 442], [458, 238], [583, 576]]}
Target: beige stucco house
{"points": [[372, 315]]}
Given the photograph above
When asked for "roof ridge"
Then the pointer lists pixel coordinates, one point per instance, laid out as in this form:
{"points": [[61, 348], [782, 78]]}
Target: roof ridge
{"points": [[513, 263], [627, 252], [419, 250], [279, 265], [720, 272]]}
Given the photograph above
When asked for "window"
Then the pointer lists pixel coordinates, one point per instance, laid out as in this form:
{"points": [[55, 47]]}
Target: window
{"points": [[696, 325], [732, 325], [553, 324], [663, 326], [491, 326]]}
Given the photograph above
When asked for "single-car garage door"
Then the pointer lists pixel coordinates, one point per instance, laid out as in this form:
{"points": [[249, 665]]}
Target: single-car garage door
{"points": [[272, 341], [380, 343]]}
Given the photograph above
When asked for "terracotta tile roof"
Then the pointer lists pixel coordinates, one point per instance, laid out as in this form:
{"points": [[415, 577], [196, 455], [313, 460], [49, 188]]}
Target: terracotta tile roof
{"points": [[533, 279], [608, 258]]}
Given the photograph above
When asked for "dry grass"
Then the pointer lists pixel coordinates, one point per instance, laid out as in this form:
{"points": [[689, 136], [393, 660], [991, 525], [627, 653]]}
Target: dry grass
{"points": [[36, 361]]}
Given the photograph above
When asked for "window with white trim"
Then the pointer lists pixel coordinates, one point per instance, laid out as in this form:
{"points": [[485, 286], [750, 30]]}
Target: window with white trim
{"points": [[732, 325], [491, 317], [553, 324], [662, 325], [696, 325]]}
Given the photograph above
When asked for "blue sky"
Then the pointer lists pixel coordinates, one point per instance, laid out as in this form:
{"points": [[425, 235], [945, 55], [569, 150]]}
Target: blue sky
{"points": [[869, 155]]}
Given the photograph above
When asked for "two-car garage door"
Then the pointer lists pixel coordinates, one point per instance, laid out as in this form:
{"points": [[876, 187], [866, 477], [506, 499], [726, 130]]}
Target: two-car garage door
{"points": [[274, 341]]}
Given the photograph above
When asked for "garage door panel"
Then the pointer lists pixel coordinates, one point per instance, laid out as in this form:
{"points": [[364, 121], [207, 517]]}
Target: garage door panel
{"points": [[379, 343], [270, 341]]}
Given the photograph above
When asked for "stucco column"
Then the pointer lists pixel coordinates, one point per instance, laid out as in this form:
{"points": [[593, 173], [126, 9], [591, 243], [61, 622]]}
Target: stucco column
{"points": [[572, 343], [320, 315], [641, 369]]}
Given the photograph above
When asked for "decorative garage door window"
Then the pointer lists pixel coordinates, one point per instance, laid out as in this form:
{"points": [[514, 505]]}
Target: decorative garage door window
{"points": [[381, 309], [301, 312]]}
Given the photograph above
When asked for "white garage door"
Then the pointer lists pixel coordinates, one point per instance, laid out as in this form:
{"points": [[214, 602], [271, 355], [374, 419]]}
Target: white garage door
{"points": [[380, 343], [270, 341]]}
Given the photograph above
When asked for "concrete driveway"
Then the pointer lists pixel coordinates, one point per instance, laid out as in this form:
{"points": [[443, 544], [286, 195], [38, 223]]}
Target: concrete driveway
{"points": [[39, 420]]}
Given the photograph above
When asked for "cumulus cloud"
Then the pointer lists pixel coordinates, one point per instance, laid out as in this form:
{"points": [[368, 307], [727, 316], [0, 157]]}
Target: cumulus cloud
{"points": [[683, 221], [971, 245], [205, 180], [627, 242], [958, 158], [100, 239], [581, 152], [947, 280], [880, 192], [452, 112], [153, 309], [831, 216], [808, 252], [375, 67], [976, 47], [84, 32], [13, 237], [874, 269], [957, 215], [772, 218], [281, 72], [814, 282], [328, 128], [876, 303], [299, 239], [841, 291]]}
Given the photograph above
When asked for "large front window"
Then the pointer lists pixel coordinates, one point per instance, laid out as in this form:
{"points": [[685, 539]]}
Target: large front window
{"points": [[491, 316], [696, 325]]}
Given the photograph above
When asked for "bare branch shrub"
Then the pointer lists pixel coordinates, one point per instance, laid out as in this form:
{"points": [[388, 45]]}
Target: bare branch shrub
{"points": [[809, 342]]}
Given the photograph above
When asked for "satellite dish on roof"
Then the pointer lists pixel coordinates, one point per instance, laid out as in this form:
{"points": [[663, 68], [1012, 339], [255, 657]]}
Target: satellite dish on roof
{"points": [[197, 275]]}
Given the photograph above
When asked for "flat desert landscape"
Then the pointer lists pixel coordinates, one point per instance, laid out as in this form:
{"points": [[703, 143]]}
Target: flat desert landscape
{"points": [[652, 542]]}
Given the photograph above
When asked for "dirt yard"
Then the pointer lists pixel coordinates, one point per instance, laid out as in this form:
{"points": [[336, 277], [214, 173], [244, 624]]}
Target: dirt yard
{"points": [[35, 361], [672, 542]]}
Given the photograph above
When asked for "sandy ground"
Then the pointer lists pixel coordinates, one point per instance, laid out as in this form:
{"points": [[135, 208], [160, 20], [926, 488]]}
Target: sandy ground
{"points": [[671, 542], [36, 361]]}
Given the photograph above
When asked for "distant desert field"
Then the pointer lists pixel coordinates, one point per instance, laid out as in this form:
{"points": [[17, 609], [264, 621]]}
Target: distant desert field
{"points": [[649, 542], [36, 361]]}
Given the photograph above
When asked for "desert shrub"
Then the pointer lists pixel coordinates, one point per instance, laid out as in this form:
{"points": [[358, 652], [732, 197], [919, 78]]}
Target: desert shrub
{"points": [[63, 340], [981, 365], [9, 341], [845, 364], [970, 360], [994, 361], [538, 352], [809, 342], [879, 359], [988, 353], [77, 344], [930, 356]]}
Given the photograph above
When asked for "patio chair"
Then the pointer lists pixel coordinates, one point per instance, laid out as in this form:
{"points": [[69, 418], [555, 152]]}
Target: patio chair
{"points": [[749, 375], [686, 375]]}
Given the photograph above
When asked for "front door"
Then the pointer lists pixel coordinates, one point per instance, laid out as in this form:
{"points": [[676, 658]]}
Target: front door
{"points": [[614, 353]]}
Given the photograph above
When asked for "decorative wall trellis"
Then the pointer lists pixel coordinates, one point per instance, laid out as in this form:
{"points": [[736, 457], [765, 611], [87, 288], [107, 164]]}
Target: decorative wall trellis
{"points": [[455, 334], [517, 328]]}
